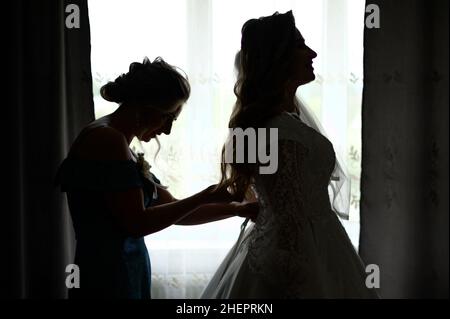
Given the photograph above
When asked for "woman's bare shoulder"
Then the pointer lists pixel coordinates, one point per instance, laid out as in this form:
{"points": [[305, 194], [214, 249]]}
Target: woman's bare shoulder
{"points": [[99, 141]]}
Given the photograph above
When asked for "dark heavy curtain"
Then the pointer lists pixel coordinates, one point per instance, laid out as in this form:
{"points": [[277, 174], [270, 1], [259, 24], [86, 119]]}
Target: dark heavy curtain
{"points": [[49, 101], [404, 206]]}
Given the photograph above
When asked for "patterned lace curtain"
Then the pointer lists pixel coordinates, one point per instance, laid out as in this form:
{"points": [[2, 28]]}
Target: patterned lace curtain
{"points": [[202, 37]]}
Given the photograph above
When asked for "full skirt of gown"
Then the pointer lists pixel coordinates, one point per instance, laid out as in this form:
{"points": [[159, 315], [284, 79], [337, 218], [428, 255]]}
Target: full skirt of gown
{"points": [[297, 247]]}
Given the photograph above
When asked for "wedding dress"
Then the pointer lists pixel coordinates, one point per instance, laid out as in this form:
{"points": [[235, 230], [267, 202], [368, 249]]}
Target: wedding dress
{"points": [[297, 247]]}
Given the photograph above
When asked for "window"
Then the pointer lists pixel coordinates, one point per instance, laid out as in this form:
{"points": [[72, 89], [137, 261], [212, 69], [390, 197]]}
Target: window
{"points": [[202, 37]]}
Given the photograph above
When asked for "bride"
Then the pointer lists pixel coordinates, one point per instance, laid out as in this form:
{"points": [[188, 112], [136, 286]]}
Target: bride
{"points": [[297, 247]]}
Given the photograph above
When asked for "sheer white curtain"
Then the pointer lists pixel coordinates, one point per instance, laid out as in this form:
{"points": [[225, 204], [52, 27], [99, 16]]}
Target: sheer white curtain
{"points": [[202, 37]]}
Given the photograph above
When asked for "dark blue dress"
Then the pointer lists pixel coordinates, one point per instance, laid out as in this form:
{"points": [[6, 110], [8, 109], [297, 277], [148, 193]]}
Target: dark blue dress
{"points": [[112, 264]]}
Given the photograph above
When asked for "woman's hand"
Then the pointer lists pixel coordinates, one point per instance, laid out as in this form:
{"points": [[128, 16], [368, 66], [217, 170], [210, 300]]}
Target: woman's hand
{"points": [[220, 195], [246, 209]]}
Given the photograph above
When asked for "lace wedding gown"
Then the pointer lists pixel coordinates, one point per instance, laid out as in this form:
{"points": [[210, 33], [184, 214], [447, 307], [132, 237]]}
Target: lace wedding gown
{"points": [[297, 247]]}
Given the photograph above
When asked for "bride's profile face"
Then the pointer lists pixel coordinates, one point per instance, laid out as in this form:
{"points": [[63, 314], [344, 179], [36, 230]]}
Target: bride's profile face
{"points": [[302, 66]]}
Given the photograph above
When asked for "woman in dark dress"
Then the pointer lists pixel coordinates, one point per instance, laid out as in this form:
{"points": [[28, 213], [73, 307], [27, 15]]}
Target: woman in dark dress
{"points": [[114, 200]]}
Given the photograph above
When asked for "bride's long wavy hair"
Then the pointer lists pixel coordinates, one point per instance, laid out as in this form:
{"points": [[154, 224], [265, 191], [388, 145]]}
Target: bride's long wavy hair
{"points": [[263, 72]]}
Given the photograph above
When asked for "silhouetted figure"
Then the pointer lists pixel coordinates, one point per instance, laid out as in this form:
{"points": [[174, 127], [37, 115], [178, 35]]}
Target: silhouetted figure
{"points": [[297, 247], [113, 197]]}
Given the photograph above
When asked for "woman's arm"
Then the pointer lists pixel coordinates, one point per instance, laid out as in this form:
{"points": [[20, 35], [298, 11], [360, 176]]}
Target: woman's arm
{"points": [[209, 212], [164, 197], [128, 209], [218, 211]]}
